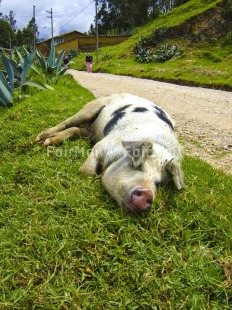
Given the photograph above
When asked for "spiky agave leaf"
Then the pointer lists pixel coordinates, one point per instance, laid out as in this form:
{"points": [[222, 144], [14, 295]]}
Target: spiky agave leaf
{"points": [[59, 61], [51, 58], [27, 66], [38, 84], [5, 94], [9, 70], [42, 61]]}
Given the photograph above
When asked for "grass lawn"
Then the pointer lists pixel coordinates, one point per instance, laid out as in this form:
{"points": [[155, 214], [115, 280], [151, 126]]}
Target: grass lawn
{"points": [[200, 64], [66, 245]]}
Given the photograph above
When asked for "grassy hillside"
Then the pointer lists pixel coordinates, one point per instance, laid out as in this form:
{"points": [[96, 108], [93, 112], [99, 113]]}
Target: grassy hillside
{"points": [[66, 245], [204, 62]]}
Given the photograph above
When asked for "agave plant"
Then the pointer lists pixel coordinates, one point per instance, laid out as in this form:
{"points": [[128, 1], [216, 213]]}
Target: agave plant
{"points": [[52, 66], [14, 76], [6, 83]]}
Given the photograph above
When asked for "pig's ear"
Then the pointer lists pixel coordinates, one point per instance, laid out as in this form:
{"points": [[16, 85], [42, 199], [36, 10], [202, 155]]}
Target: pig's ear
{"points": [[174, 168], [138, 151]]}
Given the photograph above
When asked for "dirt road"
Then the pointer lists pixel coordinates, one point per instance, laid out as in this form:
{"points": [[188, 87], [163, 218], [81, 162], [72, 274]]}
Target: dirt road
{"points": [[203, 116]]}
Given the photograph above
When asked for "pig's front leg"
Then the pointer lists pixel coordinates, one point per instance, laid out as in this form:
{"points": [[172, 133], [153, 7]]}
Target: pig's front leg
{"points": [[93, 161]]}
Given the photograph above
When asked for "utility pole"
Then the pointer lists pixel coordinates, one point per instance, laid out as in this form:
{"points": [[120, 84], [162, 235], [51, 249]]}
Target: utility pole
{"points": [[34, 30], [10, 41], [96, 31], [51, 16]]}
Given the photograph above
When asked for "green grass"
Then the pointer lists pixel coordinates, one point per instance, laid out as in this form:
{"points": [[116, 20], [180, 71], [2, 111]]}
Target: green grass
{"points": [[66, 245], [201, 64], [198, 66]]}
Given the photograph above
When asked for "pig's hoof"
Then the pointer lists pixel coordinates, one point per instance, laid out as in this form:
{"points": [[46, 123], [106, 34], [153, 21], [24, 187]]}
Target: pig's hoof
{"points": [[38, 139], [47, 142]]}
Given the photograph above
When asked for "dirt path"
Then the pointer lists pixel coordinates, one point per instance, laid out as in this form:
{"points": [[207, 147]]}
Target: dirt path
{"points": [[203, 116]]}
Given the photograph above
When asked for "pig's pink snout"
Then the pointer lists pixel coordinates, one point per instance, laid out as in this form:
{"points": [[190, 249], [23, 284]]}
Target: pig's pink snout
{"points": [[141, 200]]}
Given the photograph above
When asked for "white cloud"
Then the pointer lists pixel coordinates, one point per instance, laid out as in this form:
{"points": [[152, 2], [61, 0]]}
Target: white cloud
{"points": [[67, 15]]}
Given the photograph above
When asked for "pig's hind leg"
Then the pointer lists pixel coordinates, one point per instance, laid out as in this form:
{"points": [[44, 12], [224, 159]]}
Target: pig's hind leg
{"points": [[70, 127], [69, 133]]}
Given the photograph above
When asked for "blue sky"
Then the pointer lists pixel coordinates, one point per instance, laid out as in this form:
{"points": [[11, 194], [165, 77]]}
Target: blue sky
{"points": [[67, 15]]}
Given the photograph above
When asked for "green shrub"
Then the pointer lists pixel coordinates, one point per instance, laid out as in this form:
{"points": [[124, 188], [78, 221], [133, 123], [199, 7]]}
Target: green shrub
{"points": [[213, 41], [166, 52], [163, 53], [228, 5], [227, 40], [145, 55], [157, 36], [210, 56], [73, 53], [106, 56]]}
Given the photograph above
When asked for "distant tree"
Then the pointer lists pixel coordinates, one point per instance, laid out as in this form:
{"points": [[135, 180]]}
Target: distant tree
{"points": [[7, 38], [117, 16], [19, 36], [166, 5], [8, 28], [26, 35], [92, 30], [153, 9], [11, 20]]}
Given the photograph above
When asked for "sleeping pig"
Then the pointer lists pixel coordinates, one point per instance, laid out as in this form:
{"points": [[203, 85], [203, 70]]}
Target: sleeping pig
{"points": [[136, 146]]}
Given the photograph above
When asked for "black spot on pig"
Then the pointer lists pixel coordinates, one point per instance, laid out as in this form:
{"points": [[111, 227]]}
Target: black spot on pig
{"points": [[160, 113], [113, 121], [116, 116], [140, 109], [121, 109]]}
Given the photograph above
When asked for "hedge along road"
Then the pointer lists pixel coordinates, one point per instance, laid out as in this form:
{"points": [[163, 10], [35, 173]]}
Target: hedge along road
{"points": [[203, 116]]}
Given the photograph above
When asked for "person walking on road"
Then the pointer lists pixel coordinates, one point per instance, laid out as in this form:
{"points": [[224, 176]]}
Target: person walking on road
{"points": [[89, 61], [66, 61]]}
